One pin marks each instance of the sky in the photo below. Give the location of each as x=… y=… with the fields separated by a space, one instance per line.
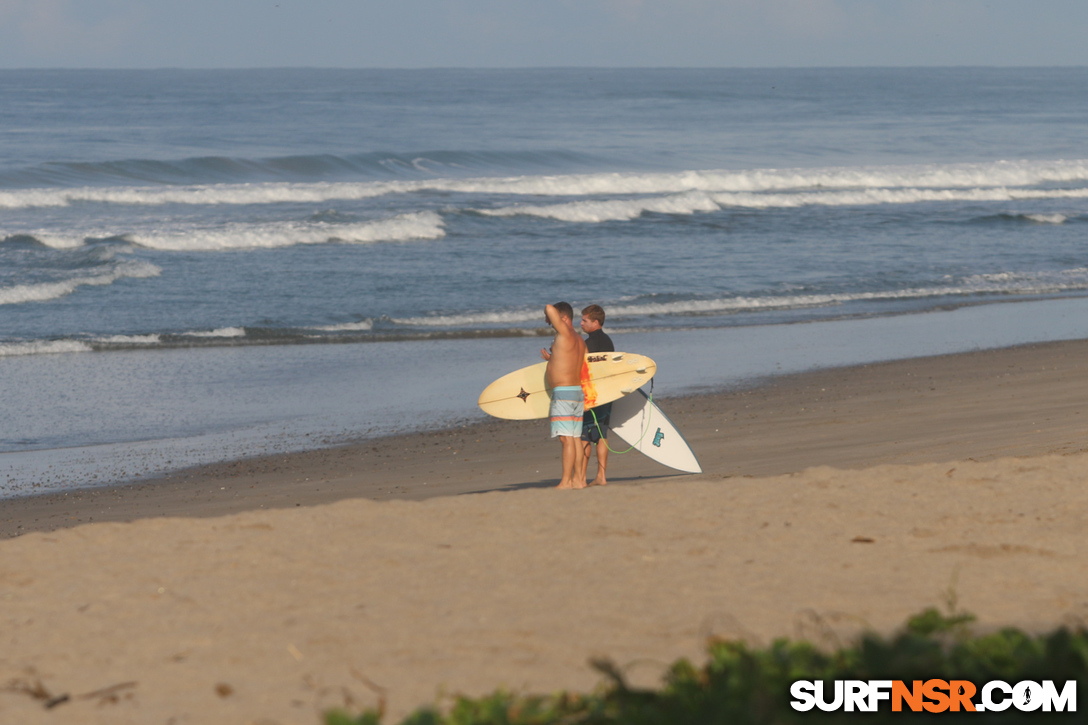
x=540 y=33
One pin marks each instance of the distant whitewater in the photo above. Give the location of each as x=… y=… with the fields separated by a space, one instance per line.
x=387 y=205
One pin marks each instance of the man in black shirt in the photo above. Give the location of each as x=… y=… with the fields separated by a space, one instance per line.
x=595 y=421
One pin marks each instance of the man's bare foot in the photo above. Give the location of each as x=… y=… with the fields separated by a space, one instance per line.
x=571 y=484
x=597 y=482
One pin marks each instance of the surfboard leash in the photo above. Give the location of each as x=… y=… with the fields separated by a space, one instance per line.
x=645 y=430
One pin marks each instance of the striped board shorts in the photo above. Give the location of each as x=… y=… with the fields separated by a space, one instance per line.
x=567 y=407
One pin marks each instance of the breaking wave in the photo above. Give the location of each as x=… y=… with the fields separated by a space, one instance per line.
x=403 y=228
x=407 y=227
x=913 y=181
x=43 y=347
x=1047 y=218
x=627 y=313
x=622 y=210
x=222 y=332
x=600 y=211
x=1007 y=283
x=44 y=291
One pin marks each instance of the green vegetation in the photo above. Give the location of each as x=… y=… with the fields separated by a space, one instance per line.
x=740 y=685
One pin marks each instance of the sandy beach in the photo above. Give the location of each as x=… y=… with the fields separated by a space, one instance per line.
x=269 y=590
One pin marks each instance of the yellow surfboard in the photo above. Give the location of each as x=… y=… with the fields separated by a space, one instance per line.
x=608 y=376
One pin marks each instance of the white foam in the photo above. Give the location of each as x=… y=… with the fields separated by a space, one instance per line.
x=1061 y=280
x=1047 y=218
x=620 y=210
x=980 y=284
x=209 y=194
x=931 y=176
x=937 y=176
x=132 y=339
x=406 y=227
x=867 y=197
x=471 y=319
x=57 y=241
x=221 y=332
x=44 y=291
x=42 y=347
x=361 y=326
x=998 y=283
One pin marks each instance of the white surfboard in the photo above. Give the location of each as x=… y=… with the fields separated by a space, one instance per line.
x=638 y=422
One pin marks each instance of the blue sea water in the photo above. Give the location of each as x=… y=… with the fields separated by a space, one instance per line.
x=173 y=227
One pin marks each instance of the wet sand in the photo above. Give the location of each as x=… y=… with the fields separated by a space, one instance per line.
x=270 y=589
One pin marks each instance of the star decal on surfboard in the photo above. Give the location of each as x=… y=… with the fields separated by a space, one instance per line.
x=523 y=395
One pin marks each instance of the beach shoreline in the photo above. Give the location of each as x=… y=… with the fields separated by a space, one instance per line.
x=763 y=427
x=227 y=404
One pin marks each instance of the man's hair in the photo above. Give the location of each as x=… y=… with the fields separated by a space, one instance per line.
x=564 y=309
x=594 y=312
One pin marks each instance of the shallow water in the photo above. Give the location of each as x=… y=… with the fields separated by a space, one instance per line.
x=227 y=403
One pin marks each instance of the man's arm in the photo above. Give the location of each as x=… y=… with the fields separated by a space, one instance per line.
x=551 y=315
x=564 y=331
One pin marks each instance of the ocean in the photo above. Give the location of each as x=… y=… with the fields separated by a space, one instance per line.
x=203 y=265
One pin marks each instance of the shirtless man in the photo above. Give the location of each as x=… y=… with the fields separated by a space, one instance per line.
x=564 y=379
